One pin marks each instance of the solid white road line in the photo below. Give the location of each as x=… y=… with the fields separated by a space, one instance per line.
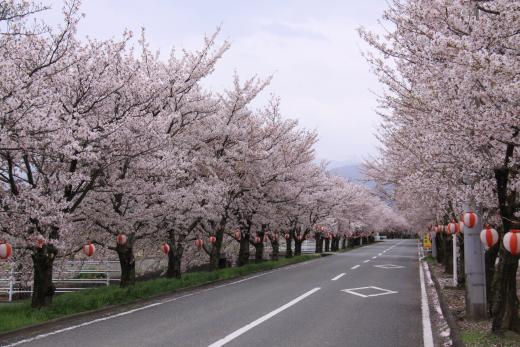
x=262 y=319
x=338 y=277
x=427 y=325
x=354 y=267
x=366 y=261
x=73 y=327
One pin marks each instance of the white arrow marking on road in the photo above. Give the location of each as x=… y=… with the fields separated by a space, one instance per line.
x=389 y=266
x=338 y=277
x=354 y=267
x=262 y=319
x=355 y=291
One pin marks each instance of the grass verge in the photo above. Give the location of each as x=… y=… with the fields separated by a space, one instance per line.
x=474 y=338
x=20 y=314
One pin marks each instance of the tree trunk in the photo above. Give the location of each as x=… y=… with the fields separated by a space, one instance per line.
x=490 y=261
x=175 y=261
x=461 y=279
x=298 y=247
x=448 y=254
x=43 y=288
x=214 y=254
x=344 y=243
x=505 y=300
x=440 y=247
x=317 y=243
x=288 y=248
x=127 y=263
x=243 y=254
x=275 y=245
x=327 y=245
x=259 y=251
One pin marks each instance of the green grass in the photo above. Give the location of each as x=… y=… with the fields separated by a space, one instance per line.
x=20 y=314
x=473 y=338
x=430 y=259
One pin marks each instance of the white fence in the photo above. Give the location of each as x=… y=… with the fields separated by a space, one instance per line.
x=69 y=280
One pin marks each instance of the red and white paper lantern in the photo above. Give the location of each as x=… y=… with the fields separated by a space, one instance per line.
x=287 y=236
x=5 y=250
x=266 y=237
x=165 y=248
x=461 y=226
x=199 y=243
x=89 y=249
x=40 y=241
x=121 y=239
x=489 y=237
x=453 y=227
x=212 y=239
x=238 y=235
x=257 y=239
x=470 y=219
x=512 y=241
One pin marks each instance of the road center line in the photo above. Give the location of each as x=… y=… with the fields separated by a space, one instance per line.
x=374 y=257
x=338 y=277
x=262 y=319
x=354 y=267
x=366 y=261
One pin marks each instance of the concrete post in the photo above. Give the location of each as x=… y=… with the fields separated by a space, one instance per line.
x=474 y=268
x=434 y=246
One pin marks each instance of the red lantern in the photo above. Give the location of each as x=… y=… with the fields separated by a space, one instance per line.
x=436 y=228
x=89 y=249
x=266 y=237
x=238 y=235
x=257 y=239
x=461 y=226
x=40 y=241
x=299 y=237
x=489 y=237
x=287 y=236
x=470 y=219
x=121 y=239
x=512 y=241
x=212 y=239
x=165 y=248
x=199 y=243
x=5 y=250
x=453 y=228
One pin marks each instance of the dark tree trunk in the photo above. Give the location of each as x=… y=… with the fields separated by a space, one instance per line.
x=461 y=277
x=317 y=245
x=259 y=251
x=127 y=263
x=275 y=245
x=505 y=300
x=43 y=288
x=175 y=261
x=298 y=247
x=448 y=254
x=327 y=245
x=490 y=258
x=439 y=244
x=344 y=243
x=288 y=248
x=214 y=253
x=243 y=254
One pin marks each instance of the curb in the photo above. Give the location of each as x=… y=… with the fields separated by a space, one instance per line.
x=454 y=328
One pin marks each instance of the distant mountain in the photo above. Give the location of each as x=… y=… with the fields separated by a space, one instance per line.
x=351 y=172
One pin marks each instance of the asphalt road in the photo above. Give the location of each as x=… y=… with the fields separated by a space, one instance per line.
x=300 y=305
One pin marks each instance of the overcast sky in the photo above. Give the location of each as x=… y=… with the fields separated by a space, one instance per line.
x=310 y=47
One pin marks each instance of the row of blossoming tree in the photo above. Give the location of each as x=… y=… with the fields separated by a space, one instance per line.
x=451 y=123
x=105 y=148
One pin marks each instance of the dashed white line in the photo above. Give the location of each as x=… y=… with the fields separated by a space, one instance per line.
x=380 y=254
x=338 y=276
x=374 y=257
x=366 y=261
x=262 y=319
x=354 y=267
